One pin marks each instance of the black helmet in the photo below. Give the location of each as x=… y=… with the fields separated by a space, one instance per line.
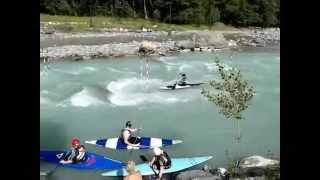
x=183 y=74
x=128 y=124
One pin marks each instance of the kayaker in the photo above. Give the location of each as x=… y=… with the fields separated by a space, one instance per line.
x=132 y=173
x=82 y=154
x=182 y=79
x=127 y=135
x=71 y=156
x=160 y=161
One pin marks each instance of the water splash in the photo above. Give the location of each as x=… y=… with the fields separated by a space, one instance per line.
x=133 y=91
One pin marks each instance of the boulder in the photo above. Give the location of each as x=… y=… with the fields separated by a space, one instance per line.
x=257 y=161
x=185 y=44
x=193 y=174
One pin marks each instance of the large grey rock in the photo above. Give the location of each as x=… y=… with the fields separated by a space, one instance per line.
x=214 y=177
x=185 y=44
x=193 y=174
x=250 y=178
x=257 y=161
x=254 y=166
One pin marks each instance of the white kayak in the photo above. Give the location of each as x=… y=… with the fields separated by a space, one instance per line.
x=173 y=87
x=143 y=142
x=177 y=164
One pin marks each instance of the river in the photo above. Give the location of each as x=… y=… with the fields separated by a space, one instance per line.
x=93 y=99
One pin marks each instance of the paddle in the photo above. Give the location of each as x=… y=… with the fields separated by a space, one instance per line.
x=145 y=159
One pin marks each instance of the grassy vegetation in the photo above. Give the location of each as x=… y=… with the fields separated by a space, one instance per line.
x=80 y=24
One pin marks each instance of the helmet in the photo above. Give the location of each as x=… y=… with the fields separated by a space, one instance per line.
x=75 y=141
x=157 y=151
x=183 y=74
x=128 y=124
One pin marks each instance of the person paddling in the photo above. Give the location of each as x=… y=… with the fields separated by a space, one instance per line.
x=127 y=135
x=70 y=157
x=160 y=161
x=181 y=80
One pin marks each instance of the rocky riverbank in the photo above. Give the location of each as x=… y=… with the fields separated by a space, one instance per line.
x=122 y=42
x=249 y=168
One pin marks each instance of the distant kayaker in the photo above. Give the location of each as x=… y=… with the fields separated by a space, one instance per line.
x=127 y=135
x=160 y=161
x=182 y=79
x=132 y=173
x=71 y=156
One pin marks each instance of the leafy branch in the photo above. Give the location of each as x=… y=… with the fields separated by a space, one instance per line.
x=232 y=93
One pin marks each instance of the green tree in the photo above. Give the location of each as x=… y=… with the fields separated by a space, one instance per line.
x=232 y=94
x=212 y=13
x=268 y=11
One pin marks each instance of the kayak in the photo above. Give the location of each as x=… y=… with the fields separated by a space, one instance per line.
x=145 y=143
x=172 y=87
x=177 y=164
x=93 y=161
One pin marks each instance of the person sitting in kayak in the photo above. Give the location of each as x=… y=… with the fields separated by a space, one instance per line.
x=182 y=79
x=82 y=156
x=160 y=161
x=71 y=156
x=127 y=135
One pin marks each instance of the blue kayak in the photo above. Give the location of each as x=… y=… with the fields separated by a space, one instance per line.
x=144 y=143
x=93 y=161
x=177 y=164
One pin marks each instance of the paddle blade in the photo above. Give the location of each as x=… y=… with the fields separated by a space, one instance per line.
x=143 y=158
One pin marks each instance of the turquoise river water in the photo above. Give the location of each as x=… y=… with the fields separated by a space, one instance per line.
x=93 y=98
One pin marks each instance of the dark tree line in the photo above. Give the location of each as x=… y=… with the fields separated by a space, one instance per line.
x=264 y=13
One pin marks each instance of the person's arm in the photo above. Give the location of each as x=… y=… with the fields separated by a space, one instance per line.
x=133 y=129
x=152 y=161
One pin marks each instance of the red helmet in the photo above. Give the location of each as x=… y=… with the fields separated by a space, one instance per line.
x=75 y=141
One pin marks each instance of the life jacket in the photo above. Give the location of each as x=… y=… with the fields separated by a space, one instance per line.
x=82 y=156
x=72 y=154
x=165 y=159
x=182 y=80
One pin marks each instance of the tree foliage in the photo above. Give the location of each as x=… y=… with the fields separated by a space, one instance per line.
x=232 y=93
x=263 y=13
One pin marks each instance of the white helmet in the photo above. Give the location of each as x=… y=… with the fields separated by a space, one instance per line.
x=157 y=151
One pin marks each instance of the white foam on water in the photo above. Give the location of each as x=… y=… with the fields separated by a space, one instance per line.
x=166 y=58
x=212 y=67
x=44 y=100
x=185 y=67
x=89 y=68
x=43 y=73
x=70 y=72
x=84 y=99
x=120 y=71
x=133 y=91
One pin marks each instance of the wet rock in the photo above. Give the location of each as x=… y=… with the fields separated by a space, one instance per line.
x=185 y=44
x=255 y=166
x=197 y=49
x=194 y=174
x=257 y=161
